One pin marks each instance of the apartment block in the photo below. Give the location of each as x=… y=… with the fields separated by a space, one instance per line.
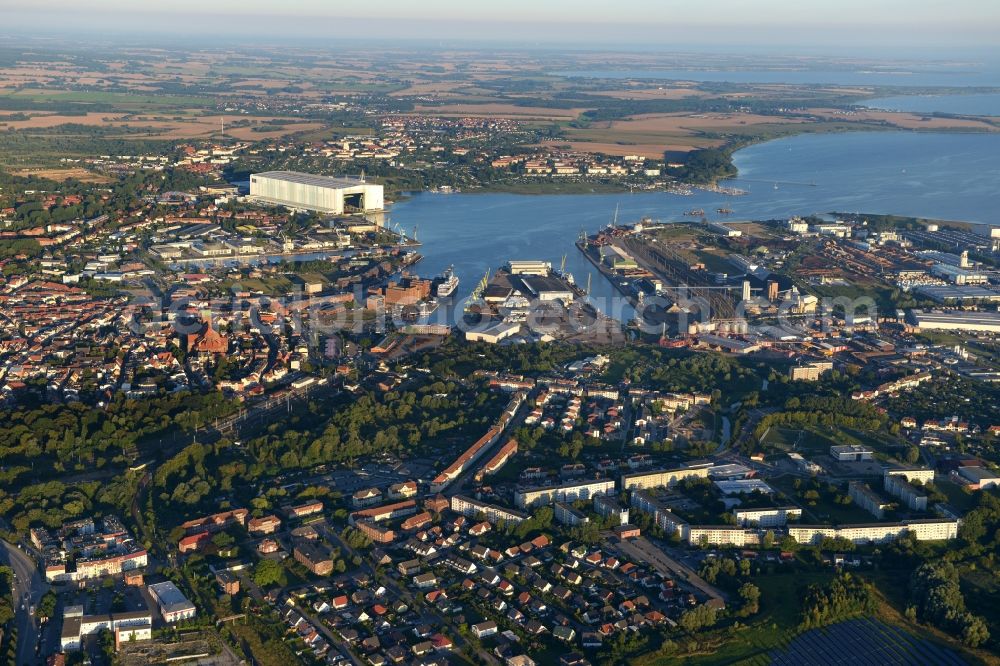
x=568 y=492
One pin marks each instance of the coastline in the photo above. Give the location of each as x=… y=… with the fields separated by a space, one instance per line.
x=552 y=186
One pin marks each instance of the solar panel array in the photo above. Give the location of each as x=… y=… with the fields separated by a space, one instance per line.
x=862 y=642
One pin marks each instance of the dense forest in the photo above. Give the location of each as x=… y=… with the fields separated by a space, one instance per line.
x=938 y=600
x=55 y=439
x=428 y=418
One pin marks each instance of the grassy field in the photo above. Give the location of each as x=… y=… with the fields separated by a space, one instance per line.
x=824 y=509
x=77 y=173
x=777 y=624
x=121 y=101
x=772 y=628
x=674 y=232
x=679 y=133
x=958 y=497
x=714 y=260
x=849 y=514
x=893 y=591
x=784 y=439
x=813 y=442
x=806 y=441
x=880 y=293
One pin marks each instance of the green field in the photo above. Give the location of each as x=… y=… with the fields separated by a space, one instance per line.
x=784 y=439
x=961 y=499
x=123 y=102
x=774 y=627
x=813 y=442
x=828 y=510
x=807 y=441
x=824 y=509
x=714 y=262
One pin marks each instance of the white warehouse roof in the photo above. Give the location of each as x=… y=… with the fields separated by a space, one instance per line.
x=312 y=179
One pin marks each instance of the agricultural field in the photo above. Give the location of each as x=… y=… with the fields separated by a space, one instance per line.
x=164 y=95
x=74 y=173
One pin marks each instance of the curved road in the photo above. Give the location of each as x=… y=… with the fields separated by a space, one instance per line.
x=28 y=590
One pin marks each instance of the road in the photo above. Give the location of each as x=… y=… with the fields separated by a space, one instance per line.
x=642 y=550
x=746 y=432
x=28 y=590
x=404 y=593
x=237 y=426
x=458 y=486
x=334 y=641
x=727 y=433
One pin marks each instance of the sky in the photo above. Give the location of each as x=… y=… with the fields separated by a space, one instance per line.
x=810 y=24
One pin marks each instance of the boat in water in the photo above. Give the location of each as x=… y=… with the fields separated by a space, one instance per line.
x=697 y=212
x=446 y=283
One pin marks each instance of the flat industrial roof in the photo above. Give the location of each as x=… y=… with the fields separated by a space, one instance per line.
x=312 y=179
x=169 y=597
x=986 y=317
x=960 y=292
x=538 y=284
x=727 y=470
x=977 y=473
x=743 y=486
x=850 y=448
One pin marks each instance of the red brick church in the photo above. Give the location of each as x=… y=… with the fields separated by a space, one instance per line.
x=207 y=341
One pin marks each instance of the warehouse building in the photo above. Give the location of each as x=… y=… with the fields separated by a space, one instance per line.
x=323 y=194
x=174 y=606
x=984 y=322
x=851 y=453
x=977 y=478
x=959 y=276
x=547 y=288
x=528 y=267
x=954 y=294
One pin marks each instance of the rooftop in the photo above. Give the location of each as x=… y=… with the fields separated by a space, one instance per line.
x=312 y=179
x=989 y=317
x=170 y=598
x=538 y=284
x=850 y=448
x=743 y=486
x=978 y=474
